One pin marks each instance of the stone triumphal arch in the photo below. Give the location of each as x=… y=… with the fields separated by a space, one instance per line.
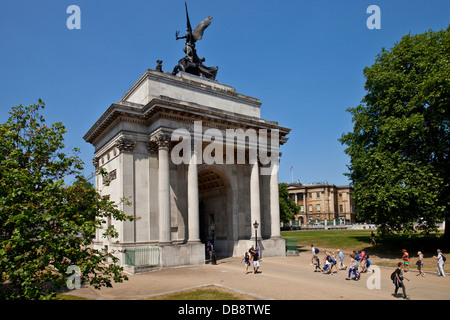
x=189 y=153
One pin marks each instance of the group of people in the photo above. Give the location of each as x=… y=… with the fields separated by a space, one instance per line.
x=252 y=256
x=419 y=263
x=359 y=262
x=398 y=277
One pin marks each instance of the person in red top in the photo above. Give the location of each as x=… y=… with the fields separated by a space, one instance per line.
x=405 y=260
x=363 y=261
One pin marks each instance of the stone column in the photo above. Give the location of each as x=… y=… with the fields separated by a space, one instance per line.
x=274 y=203
x=126 y=145
x=161 y=141
x=255 y=200
x=193 y=209
x=305 y=206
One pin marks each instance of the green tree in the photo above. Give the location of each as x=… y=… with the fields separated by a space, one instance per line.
x=47 y=226
x=288 y=208
x=400 y=142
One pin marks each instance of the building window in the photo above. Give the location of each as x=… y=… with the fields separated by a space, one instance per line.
x=341 y=208
x=340 y=195
x=310 y=195
x=310 y=208
x=301 y=208
x=318 y=207
x=318 y=195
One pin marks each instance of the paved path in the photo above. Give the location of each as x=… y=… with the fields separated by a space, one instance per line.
x=289 y=278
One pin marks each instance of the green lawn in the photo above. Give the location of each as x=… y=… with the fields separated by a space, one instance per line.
x=206 y=293
x=348 y=240
x=330 y=239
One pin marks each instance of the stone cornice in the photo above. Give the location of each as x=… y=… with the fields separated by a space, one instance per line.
x=180 y=111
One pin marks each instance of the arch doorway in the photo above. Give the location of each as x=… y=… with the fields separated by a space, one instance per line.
x=215 y=207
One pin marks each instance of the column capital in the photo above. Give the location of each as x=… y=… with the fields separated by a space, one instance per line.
x=125 y=144
x=96 y=163
x=158 y=141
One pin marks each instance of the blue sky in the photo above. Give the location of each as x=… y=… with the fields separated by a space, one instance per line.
x=302 y=59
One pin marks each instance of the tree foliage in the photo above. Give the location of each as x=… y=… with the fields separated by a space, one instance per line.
x=47 y=226
x=400 y=142
x=288 y=208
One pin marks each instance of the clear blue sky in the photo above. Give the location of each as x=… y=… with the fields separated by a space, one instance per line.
x=302 y=59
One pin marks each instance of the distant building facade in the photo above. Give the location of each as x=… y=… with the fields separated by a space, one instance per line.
x=322 y=203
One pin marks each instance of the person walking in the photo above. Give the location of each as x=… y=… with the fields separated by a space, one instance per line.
x=440 y=266
x=313 y=251
x=419 y=264
x=405 y=259
x=246 y=260
x=341 y=257
x=353 y=267
x=212 y=253
x=372 y=237
x=333 y=263
x=399 y=280
x=363 y=261
x=317 y=263
x=255 y=259
x=327 y=264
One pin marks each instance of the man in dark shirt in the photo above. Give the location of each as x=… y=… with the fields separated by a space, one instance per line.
x=255 y=258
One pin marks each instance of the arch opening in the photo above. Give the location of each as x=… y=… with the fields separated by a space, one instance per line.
x=215 y=208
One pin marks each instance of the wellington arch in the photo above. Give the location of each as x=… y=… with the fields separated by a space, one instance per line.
x=175 y=204
x=196 y=163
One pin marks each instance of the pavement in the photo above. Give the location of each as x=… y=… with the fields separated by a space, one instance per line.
x=287 y=278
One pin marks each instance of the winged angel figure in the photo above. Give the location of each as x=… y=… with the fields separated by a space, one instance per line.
x=191 y=63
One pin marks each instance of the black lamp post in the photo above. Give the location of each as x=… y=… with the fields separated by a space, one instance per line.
x=256 y=225
x=213 y=254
